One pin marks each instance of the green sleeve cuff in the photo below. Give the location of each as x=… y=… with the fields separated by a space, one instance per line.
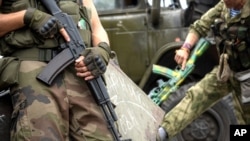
x=28 y=15
x=195 y=32
x=105 y=46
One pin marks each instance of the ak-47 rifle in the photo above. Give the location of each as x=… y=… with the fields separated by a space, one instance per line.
x=177 y=76
x=71 y=51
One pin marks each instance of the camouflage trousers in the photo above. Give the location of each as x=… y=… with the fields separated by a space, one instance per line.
x=65 y=111
x=201 y=97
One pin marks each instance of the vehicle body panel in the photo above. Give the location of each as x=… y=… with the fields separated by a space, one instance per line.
x=136 y=40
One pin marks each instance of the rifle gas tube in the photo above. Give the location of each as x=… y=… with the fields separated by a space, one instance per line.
x=67 y=56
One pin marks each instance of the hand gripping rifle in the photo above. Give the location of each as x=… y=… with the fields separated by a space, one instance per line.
x=68 y=55
x=177 y=76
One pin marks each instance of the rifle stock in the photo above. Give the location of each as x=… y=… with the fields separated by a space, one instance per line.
x=177 y=76
x=70 y=53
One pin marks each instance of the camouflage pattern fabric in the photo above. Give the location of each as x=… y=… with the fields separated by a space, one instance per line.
x=208 y=91
x=65 y=111
x=201 y=97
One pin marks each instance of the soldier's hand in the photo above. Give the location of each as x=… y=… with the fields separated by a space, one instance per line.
x=93 y=62
x=82 y=69
x=44 y=24
x=181 y=56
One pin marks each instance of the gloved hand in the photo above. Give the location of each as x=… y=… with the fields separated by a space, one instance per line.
x=44 y=24
x=161 y=135
x=97 y=58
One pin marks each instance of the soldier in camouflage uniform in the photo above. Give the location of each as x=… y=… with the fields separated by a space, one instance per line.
x=213 y=87
x=66 y=110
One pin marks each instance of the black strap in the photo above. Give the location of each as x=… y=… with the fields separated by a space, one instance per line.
x=35 y=54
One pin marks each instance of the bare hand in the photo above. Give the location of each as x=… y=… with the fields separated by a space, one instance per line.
x=64 y=34
x=181 y=57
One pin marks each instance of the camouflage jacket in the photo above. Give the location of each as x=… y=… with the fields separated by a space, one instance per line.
x=202 y=26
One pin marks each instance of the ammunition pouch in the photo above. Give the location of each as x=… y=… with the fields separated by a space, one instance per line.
x=237 y=32
x=244 y=79
x=243 y=54
x=239 y=56
x=9 y=69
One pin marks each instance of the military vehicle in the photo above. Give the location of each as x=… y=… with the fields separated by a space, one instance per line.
x=147 y=32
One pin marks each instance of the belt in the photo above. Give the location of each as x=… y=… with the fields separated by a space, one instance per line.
x=35 y=54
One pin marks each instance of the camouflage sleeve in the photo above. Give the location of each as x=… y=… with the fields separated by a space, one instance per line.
x=202 y=25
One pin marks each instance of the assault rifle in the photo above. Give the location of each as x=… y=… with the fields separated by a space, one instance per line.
x=177 y=76
x=71 y=51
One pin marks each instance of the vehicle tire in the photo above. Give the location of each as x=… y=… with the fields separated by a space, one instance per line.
x=212 y=125
x=5 y=115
